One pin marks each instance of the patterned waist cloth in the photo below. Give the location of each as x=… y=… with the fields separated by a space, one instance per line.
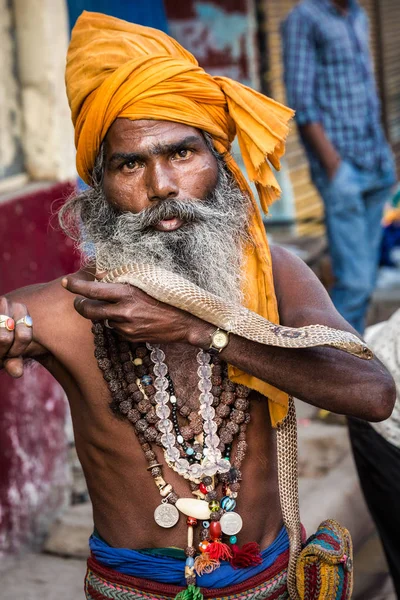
x=102 y=583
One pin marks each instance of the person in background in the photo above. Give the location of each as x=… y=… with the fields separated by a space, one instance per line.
x=330 y=83
x=376 y=450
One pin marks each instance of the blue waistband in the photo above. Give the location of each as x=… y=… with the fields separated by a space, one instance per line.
x=165 y=569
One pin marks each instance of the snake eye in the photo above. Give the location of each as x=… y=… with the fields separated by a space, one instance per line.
x=367 y=352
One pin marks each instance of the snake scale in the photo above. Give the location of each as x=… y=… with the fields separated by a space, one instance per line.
x=177 y=291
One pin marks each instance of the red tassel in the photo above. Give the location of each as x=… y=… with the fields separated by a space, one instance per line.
x=219 y=551
x=246 y=556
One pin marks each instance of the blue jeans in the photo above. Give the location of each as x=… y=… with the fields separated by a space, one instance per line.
x=354 y=201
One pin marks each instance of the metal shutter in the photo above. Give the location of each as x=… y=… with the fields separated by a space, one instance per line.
x=308 y=206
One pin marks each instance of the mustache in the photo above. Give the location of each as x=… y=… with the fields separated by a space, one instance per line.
x=189 y=210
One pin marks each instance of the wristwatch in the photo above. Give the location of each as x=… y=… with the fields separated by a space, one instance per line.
x=219 y=341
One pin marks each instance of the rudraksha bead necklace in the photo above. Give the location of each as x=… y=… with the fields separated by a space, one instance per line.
x=200 y=451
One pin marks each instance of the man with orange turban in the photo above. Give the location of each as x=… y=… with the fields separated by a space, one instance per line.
x=153 y=137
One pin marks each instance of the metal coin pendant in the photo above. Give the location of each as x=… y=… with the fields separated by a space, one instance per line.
x=231 y=523
x=166 y=515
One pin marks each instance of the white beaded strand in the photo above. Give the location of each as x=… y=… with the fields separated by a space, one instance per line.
x=213 y=462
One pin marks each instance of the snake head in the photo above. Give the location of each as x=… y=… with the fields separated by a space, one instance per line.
x=355 y=346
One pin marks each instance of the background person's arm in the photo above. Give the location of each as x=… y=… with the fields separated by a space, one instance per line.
x=314 y=134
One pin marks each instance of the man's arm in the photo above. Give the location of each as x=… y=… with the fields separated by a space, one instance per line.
x=325 y=377
x=299 y=58
x=326 y=152
x=42 y=303
x=18 y=343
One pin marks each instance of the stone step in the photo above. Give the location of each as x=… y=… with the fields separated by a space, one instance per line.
x=338 y=496
x=69 y=534
x=321 y=447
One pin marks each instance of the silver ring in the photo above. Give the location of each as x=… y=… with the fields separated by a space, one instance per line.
x=106 y=323
x=27 y=320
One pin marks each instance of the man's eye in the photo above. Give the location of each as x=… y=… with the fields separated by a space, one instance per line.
x=130 y=165
x=183 y=153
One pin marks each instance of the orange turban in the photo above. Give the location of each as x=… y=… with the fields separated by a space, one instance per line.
x=119 y=69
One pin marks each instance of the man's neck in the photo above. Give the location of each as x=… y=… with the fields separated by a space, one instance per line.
x=342 y=5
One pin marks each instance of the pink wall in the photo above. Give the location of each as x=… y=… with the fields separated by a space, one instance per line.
x=33 y=476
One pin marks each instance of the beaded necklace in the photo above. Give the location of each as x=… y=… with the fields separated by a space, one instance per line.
x=200 y=451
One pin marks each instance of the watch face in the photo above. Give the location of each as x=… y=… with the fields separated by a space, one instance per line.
x=220 y=339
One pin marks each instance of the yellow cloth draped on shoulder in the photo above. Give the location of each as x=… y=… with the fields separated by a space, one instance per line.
x=119 y=69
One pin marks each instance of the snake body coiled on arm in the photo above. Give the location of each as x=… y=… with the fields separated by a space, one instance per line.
x=179 y=292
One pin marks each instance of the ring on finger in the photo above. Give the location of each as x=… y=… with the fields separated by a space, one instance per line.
x=107 y=324
x=27 y=320
x=8 y=324
x=4 y=318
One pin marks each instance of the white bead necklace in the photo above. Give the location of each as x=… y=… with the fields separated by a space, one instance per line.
x=212 y=462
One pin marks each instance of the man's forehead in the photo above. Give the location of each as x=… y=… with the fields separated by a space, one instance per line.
x=142 y=133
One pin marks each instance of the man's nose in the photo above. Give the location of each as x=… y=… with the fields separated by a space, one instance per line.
x=161 y=183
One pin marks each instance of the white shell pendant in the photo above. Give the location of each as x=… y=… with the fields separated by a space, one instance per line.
x=194 y=508
x=166 y=515
x=231 y=523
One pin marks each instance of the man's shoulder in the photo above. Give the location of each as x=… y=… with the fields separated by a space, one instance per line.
x=281 y=255
x=47 y=297
x=304 y=11
x=286 y=264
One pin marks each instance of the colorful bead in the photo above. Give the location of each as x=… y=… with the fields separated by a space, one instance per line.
x=137 y=362
x=188 y=572
x=216 y=515
x=203 y=546
x=189 y=451
x=213 y=505
x=206 y=524
x=228 y=503
x=233 y=539
x=215 y=530
x=146 y=379
x=203 y=488
x=211 y=495
x=191 y=521
x=189 y=561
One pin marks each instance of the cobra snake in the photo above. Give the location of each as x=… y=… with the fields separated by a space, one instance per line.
x=177 y=291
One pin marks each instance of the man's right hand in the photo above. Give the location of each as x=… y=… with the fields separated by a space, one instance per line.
x=13 y=344
x=332 y=164
x=323 y=148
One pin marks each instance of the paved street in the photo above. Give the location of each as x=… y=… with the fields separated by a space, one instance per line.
x=43 y=577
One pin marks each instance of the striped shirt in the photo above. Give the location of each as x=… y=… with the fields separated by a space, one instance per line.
x=329 y=79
